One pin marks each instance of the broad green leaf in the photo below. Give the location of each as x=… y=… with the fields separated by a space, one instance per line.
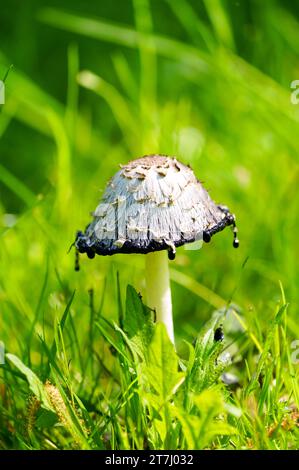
x=161 y=428
x=210 y=405
x=138 y=322
x=160 y=371
x=207 y=401
x=160 y=379
x=35 y=385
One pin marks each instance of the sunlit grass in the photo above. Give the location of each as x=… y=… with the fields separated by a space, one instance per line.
x=225 y=111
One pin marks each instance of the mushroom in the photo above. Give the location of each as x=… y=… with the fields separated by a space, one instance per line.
x=151 y=206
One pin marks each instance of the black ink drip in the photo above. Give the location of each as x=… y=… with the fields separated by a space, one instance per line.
x=77 y=265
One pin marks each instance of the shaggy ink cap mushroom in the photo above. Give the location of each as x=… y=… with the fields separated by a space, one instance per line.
x=151 y=206
x=153 y=203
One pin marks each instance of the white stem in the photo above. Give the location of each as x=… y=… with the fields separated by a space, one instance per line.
x=158 y=288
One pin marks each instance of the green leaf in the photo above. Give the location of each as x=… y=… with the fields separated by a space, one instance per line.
x=209 y=402
x=254 y=383
x=190 y=426
x=202 y=370
x=35 y=385
x=204 y=425
x=46 y=419
x=62 y=322
x=138 y=323
x=160 y=379
x=111 y=340
x=160 y=371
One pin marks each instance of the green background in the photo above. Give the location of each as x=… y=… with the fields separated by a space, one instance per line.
x=206 y=81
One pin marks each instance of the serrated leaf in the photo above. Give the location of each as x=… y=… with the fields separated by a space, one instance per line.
x=35 y=384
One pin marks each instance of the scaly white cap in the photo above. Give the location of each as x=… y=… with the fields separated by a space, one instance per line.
x=153 y=203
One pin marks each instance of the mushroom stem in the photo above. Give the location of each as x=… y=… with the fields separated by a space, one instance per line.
x=158 y=290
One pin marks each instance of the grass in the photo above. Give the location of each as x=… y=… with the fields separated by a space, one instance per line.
x=86 y=366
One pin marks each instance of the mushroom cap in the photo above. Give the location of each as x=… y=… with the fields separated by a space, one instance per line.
x=153 y=203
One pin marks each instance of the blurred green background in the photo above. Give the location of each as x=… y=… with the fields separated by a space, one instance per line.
x=95 y=84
